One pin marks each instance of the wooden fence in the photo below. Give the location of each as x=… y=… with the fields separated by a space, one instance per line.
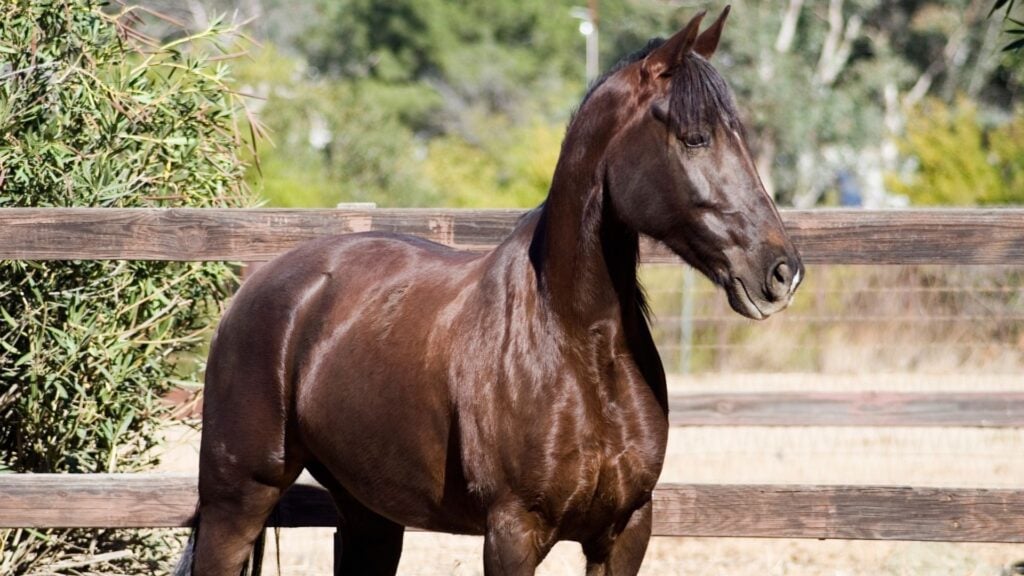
x=823 y=236
x=759 y=511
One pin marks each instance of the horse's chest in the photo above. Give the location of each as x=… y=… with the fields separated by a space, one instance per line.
x=602 y=486
x=581 y=445
x=612 y=462
x=611 y=475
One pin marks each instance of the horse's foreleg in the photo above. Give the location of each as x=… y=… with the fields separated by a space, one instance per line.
x=621 y=554
x=515 y=541
x=371 y=545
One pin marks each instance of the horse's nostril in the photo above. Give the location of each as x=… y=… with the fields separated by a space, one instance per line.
x=782 y=274
x=779 y=280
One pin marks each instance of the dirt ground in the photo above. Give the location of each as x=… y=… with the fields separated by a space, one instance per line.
x=964 y=457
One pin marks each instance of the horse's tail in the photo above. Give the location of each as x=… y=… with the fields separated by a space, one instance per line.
x=253 y=566
x=184 y=567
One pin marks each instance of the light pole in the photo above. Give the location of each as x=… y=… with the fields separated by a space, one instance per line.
x=588 y=27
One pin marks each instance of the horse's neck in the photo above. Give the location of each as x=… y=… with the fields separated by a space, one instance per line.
x=585 y=257
x=603 y=285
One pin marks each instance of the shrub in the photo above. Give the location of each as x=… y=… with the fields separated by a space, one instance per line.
x=959 y=160
x=93 y=113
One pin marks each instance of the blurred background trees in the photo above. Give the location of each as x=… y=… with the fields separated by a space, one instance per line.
x=460 y=103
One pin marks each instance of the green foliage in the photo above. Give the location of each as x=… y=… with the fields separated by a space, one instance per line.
x=487 y=52
x=331 y=141
x=1016 y=32
x=93 y=114
x=511 y=170
x=824 y=98
x=959 y=162
x=342 y=141
x=404 y=87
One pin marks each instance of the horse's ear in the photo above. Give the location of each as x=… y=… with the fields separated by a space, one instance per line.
x=707 y=42
x=664 y=58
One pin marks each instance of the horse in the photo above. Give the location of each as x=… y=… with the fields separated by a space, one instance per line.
x=515 y=394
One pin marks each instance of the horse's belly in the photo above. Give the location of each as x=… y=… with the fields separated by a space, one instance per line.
x=385 y=438
x=407 y=493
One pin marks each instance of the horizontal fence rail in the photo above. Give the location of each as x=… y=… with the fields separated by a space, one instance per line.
x=841 y=409
x=849 y=409
x=705 y=510
x=202 y=234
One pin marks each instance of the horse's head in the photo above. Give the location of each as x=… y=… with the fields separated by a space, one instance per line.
x=680 y=172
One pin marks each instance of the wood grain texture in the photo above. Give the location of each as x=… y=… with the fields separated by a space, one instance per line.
x=222 y=234
x=96 y=500
x=974 y=410
x=975 y=236
x=920 y=236
x=840 y=512
x=132 y=501
x=769 y=511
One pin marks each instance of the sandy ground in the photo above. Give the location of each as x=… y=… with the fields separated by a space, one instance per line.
x=907 y=456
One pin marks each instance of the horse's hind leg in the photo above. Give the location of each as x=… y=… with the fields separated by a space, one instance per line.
x=237 y=493
x=230 y=519
x=246 y=462
x=371 y=545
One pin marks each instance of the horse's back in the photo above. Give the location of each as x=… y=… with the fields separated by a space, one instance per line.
x=329 y=275
x=297 y=312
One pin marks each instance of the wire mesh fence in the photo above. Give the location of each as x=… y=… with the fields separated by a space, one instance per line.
x=848 y=319
x=916 y=329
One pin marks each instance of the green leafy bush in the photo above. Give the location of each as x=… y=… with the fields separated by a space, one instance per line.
x=510 y=170
x=959 y=160
x=92 y=113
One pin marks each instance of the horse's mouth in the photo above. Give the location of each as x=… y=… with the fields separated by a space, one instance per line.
x=752 y=306
x=741 y=301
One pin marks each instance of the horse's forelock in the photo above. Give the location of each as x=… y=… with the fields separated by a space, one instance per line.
x=700 y=98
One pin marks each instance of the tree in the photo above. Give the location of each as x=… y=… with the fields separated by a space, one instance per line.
x=94 y=114
x=446 y=56
x=829 y=85
x=826 y=87
x=958 y=161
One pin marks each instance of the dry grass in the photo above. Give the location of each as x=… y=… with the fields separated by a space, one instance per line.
x=911 y=456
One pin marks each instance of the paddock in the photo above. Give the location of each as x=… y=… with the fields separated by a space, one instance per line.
x=801 y=511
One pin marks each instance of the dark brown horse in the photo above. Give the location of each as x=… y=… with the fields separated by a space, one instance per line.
x=516 y=394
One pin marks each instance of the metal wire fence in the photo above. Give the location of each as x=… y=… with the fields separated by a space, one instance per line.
x=848 y=319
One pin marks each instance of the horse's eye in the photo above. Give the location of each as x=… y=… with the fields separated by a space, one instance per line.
x=696 y=140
